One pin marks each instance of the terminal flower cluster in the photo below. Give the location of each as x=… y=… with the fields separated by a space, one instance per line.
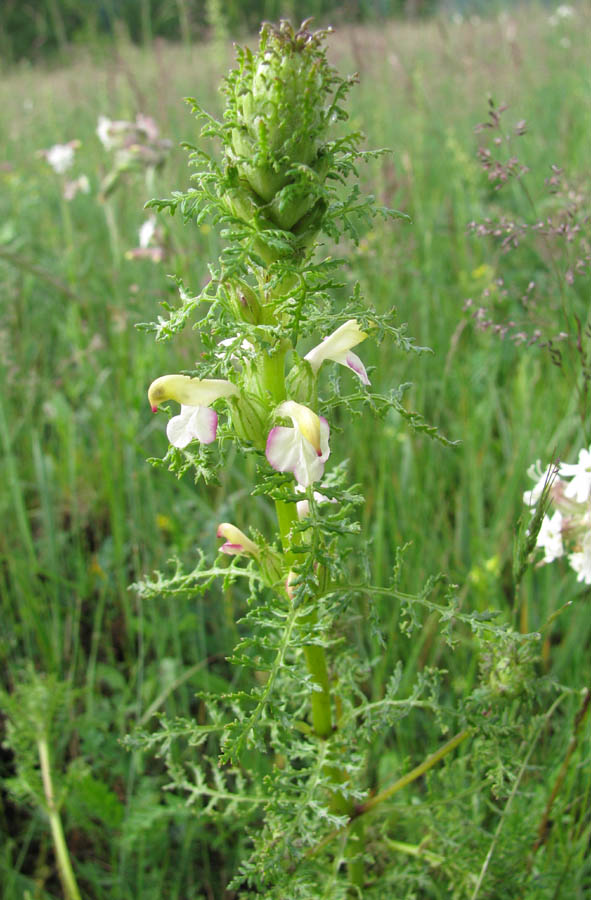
x=567 y=530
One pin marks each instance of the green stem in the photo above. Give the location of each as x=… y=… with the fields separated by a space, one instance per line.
x=274 y=374
x=320 y=699
x=287 y=514
x=67 y=877
x=411 y=776
x=273 y=368
x=415 y=773
x=315 y=656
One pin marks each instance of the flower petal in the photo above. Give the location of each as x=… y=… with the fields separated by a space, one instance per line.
x=282 y=450
x=178 y=430
x=354 y=363
x=193 y=423
x=304 y=419
x=290 y=450
x=309 y=467
x=336 y=344
x=324 y=436
x=205 y=424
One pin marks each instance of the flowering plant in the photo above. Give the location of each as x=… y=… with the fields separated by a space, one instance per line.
x=270 y=326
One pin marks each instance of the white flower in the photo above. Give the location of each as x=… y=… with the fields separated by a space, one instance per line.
x=581 y=560
x=302 y=449
x=579 y=488
x=112 y=133
x=337 y=347
x=61 y=156
x=196 y=421
x=147 y=231
x=236 y=541
x=103 y=130
x=550 y=537
x=530 y=498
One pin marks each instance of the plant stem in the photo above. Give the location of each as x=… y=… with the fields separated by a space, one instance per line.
x=274 y=374
x=415 y=773
x=66 y=873
x=320 y=700
x=273 y=371
x=315 y=656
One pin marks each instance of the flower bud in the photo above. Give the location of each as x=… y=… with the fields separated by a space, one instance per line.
x=308 y=227
x=271 y=565
x=243 y=201
x=244 y=300
x=249 y=418
x=235 y=541
x=300 y=383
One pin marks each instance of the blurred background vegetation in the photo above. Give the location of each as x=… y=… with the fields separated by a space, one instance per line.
x=83 y=659
x=37 y=29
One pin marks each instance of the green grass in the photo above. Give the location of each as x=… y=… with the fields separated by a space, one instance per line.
x=84 y=515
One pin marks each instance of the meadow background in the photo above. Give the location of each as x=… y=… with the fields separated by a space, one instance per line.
x=88 y=660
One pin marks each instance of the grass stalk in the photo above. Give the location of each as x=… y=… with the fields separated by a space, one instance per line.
x=66 y=872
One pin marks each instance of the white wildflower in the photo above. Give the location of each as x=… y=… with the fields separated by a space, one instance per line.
x=550 y=537
x=580 y=560
x=579 y=488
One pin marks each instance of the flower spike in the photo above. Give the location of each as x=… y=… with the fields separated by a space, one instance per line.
x=337 y=347
x=302 y=449
x=196 y=421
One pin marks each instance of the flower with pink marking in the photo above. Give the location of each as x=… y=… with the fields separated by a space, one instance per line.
x=302 y=449
x=236 y=542
x=196 y=420
x=337 y=347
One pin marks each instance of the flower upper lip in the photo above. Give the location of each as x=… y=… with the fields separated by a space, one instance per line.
x=196 y=420
x=337 y=347
x=305 y=420
x=302 y=449
x=189 y=391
